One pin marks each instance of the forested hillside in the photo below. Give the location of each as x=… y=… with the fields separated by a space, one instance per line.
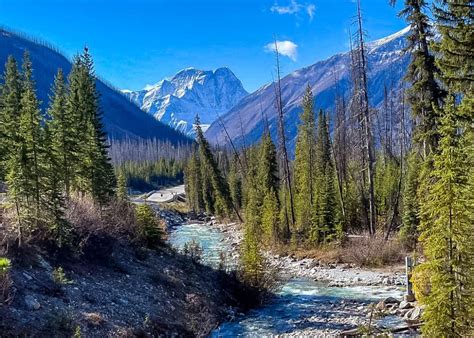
x=400 y=172
x=122 y=119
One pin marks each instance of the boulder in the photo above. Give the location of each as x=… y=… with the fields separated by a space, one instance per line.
x=31 y=303
x=414 y=314
x=405 y=305
x=391 y=300
x=409 y=298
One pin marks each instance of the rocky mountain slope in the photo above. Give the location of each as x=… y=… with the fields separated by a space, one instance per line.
x=387 y=64
x=177 y=100
x=121 y=118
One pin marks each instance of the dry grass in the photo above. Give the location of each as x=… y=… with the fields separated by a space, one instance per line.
x=373 y=252
x=362 y=251
x=94 y=318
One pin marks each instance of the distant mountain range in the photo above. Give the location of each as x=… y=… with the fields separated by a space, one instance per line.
x=177 y=100
x=122 y=119
x=387 y=64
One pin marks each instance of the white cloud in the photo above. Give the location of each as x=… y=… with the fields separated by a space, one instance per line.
x=286 y=48
x=295 y=8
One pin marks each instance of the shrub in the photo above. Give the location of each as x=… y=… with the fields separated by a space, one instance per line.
x=5 y=280
x=59 y=276
x=372 y=251
x=193 y=250
x=150 y=229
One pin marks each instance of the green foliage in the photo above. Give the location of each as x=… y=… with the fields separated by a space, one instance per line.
x=424 y=94
x=324 y=226
x=151 y=175
x=44 y=158
x=216 y=194
x=149 y=227
x=193 y=250
x=447 y=231
x=5 y=280
x=305 y=167
x=411 y=207
x=5 y=265
x=122 y=194
x=59 y=277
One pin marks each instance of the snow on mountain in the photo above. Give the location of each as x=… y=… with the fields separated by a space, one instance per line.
x=387 y=64
x=177 y=100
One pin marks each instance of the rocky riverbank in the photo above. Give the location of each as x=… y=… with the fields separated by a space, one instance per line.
x=333 y=317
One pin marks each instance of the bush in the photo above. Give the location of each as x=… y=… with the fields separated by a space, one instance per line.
x=193 y=250
x=5 y=280
x=372 y=251
x=59 y=276
x=150 y=229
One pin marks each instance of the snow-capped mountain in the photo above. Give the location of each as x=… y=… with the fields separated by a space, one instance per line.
x=387 y=64
x=177 y=100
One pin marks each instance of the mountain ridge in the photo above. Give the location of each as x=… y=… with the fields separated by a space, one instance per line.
x=176 y=100
x=387 y=63
x=121 y=118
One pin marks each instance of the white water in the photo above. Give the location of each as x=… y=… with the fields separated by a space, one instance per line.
x=300 y=303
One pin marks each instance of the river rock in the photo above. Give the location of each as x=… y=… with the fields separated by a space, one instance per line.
x=409 y=298
x=413 y=314
x=391 y=300
x=405 y=305
x=31 y=303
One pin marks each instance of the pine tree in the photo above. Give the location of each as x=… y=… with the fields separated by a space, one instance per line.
x=216 y=191
x=305 y=165
x=193 y=184
x=52 y=191
x=424 y=94
x=30 y=133
x=235 y=182
x=9 y=114
x=122 y=194
x=324 y=226
x=456 y=46
x=149 y=227
x=267 y=187
x=95 y=172
x=447 y=232
x=411 y=206
x=64 y=130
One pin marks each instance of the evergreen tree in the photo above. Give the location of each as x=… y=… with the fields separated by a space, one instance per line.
x=95 y=172
x=447 y=232
x=122 y=194
x=454 y=20
x=52 y=194
x=9 y=113
x=194 y=184
x=235 y=183
x=267 y=186
x=424 y=94
x=149 y=227
x=305 y=165
x=324 y=226
x=411 y=206
x=30 y=133
x=64 y=129
x=216 y=191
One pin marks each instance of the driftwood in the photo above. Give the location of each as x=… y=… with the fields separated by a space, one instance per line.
x=355 y=332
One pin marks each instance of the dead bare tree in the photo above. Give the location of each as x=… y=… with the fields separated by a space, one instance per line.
x=282 y=136
x=362 y=101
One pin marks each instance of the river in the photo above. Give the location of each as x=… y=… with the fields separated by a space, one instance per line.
x=300 y=307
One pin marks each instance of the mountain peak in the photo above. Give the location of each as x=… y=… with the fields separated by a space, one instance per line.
x=176 y=100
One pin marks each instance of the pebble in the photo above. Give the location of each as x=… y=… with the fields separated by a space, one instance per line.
x=31 y=303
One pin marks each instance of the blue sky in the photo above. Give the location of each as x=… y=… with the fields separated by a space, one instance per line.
x=138 y=42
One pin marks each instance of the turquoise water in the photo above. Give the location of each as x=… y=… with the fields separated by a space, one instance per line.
x=209 y=239
x=296 y=304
